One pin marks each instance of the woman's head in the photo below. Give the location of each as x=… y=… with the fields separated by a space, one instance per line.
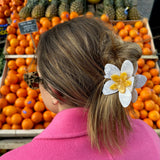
x=71 y=60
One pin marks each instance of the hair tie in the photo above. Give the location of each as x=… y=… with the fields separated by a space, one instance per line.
x=123 y=81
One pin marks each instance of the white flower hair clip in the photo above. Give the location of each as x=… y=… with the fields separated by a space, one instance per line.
x=123 y=81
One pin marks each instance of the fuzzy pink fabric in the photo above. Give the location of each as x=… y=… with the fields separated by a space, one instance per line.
x=66 y=139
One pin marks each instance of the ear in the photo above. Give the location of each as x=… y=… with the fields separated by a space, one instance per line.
x=55 y=101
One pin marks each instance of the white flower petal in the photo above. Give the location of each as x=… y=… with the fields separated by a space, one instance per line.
x=110 y=69
x=135 y=70
x=140 y=80
x=125 y=98
x=131 y=86
x=127 y=67
x=106 y=88
x=134 y=96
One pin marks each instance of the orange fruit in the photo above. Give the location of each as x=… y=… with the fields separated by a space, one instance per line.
x=9 y=110
x=22 y=69
x=104 y=17
x=146 y=94
x=11 y=71
x=24 y=43
x=4 y=90
x=138 y=105
x=42 y=30
x=138 y=24
x=23 y=84
x=120 y=25
x=15 y=23
x=128 y=27
x=154 y=72
x=156 y=88
x=12 y=64
x=154 y=115
x=14 y=15
x=123 y=33
x=149 y=105
x=146 y=38
x=127 y=39
x=140 y=44
x=16 y=118
x=19 y=102
x=141 y=62
x=39 y=106
x=12 y=78
x=27 y=124
x=11 y=36
x=146 y=51
x=64 y=15
x=134 y=114
x=147 y=75
x=11 y=97
x=147 y=45
x=32 y=93
x=32 y=68
x=138 y=90
x=149 y=83
x=2 y=118
x=143 y=114
x=21 y=36
x=8 y=120
x=21 y=92
x=20 y=50
x=39 y=126
x=158 y=123
x=156 y=80
x=11 y=50
x=46 y=23
x=156 y=108
x=155 y=97
x=29 y=102
x=29 y=61
x=46 y=124
x=11 y=30
x=148 y=121
x=37 y=117
x=151 y=63
x=40 y=97
x=74 y=15
x=3 y=102
x=138 y=39
x=26 y=112
x=47 y=116
x=16 y=126
x=14 y=42
x=29 y=50
x=133 y=33
x=31 y=43
x=145 y=68
x=143 y=30
x=56 y=19
x=6 y=126
x=20 y=62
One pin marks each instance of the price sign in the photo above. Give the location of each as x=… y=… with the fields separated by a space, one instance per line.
x=28 y=26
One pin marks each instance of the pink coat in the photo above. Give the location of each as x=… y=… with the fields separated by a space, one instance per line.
x=66 y=139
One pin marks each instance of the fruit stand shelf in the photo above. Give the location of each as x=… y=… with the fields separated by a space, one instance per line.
x=20 y=133
x=13 y=143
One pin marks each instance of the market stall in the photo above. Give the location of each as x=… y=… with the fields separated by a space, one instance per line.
x=23 y=114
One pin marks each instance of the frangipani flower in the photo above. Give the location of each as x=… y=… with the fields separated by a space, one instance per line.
x=123 y=81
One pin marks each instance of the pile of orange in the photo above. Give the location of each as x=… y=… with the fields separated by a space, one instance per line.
x=147 y=106
x=8 y=7
x=22 y=107
x=137 y=33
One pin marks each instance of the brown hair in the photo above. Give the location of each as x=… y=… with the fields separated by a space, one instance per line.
x=71 y=59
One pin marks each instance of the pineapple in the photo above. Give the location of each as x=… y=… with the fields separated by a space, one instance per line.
x=39 y=10
x=52 y=10
x=133 y=13
x=64 y=6
x=121 y=13
x=25 y=12
x=99 y=9
x=77 y=6
x=108 y=9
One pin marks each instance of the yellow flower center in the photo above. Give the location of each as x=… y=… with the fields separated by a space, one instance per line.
x=121 y=82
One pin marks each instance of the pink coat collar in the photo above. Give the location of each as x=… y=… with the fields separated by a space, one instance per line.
x=68 y=123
